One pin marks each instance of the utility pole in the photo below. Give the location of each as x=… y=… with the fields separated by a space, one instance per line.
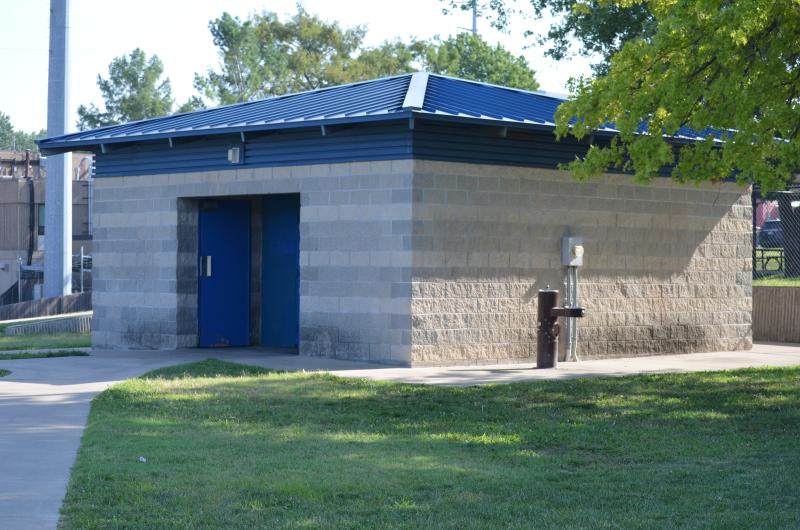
x=474 y=17
x=58 y=186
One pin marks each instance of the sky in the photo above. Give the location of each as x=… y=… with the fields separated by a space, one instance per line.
x=177 y=31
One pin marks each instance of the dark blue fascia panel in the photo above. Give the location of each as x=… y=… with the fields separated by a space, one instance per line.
x=429 y=139
x=479 y=144
x=392 y=141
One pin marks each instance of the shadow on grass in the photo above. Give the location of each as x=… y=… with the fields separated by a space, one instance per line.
x=42 y=355
x=208 y=368
x=237 y=447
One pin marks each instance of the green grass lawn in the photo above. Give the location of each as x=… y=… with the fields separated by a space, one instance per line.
x=767 y=264
x=229 y=446
x=777 y=282
x=45 y=341
x=42 y=355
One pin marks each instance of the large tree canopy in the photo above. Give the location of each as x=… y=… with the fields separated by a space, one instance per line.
x=263 y=56
x=12 y=139
x=587 y=27
x=470 y=57
x=133 y=91
x=730 y=64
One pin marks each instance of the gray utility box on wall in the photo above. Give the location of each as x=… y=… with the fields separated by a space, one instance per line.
x=572 y=251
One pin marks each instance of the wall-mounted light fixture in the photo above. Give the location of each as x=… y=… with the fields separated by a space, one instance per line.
x=236 y=155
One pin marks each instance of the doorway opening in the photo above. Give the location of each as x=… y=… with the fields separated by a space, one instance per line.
x=249 y=271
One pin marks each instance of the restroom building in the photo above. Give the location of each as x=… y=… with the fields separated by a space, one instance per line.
x=408 y=220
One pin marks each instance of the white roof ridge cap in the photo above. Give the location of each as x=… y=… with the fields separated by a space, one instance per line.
x=417 y=87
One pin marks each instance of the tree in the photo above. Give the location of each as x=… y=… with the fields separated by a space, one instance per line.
x=262 y=57
x=730 y=64
x=11 y=139
x=599 y=26
x=6 y=131
x=470 y=57
x=249 y=67
x=133 y=91
x=389 y=58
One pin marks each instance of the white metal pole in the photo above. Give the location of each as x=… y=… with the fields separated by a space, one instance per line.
x=474 y=17
x=568 y=321
x=58 y=186
x=81 y=268
x=574 y=324
x=19 y=280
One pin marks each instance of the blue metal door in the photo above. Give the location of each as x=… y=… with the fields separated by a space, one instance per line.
x=224 y=283
x=280 y=271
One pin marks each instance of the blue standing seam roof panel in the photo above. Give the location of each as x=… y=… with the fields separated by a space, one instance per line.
x=355 y=102
x=457 y=97
x=379 y=100
x=375 y=100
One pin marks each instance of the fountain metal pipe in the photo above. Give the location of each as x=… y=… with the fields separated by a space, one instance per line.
x=548 y=329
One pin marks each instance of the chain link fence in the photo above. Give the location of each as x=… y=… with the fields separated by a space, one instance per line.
x=30 y=280
x=776 y=237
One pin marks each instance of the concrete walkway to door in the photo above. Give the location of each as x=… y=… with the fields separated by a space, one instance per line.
x=44 y=403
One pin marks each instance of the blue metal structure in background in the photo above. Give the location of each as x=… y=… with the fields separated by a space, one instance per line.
x=224 y=283
x=280 y=271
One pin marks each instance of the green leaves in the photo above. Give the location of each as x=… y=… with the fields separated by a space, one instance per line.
x=133 y=91
x=470 y=57
x=729 y=65
x=11 y=139
x=262 y=57
x=601 y=27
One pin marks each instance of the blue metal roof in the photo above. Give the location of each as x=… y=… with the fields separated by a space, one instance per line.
x=457 y=97
x=389 y=98
x=421 y=95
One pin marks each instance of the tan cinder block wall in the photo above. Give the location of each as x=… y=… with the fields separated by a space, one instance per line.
x=667 y=266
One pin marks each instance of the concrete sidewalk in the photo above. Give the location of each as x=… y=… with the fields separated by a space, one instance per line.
x=761 y=355
x=44 y=403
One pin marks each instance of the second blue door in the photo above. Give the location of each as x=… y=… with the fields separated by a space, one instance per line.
x=280 y=278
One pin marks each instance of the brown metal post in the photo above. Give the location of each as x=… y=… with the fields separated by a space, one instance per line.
x=547 y=329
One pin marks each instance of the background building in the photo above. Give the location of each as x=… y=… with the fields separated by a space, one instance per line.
x=22 y=182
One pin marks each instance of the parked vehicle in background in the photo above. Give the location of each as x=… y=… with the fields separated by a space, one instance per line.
x=770 y=235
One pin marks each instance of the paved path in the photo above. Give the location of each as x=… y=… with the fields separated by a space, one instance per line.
x=44 y=403
x=42 y=350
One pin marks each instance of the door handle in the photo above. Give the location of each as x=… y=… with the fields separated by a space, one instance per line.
x=205 y=266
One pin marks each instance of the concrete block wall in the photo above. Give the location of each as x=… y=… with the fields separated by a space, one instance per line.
x=667 y=267
x=355 y=258
x=422 y=262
